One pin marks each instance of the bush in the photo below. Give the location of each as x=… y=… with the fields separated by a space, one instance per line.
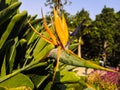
x=104 y=80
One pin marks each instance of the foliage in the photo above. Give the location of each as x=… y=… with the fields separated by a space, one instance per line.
x=18 y=80
x=100 y=37
x=29 y=61
x=57 y=4
x=103 y=80
x=61 y=53
x=16 y=47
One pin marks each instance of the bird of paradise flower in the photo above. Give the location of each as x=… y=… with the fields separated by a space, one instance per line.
x=61 y=33
x=60 y=39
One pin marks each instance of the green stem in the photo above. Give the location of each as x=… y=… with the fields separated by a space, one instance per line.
x=20 y=70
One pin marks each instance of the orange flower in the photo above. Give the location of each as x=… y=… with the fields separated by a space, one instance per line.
x=61 y=33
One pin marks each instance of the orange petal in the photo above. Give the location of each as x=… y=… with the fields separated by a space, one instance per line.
x=54 y=40
x=49 y=31
x=46 y=39
x=59 y=29
x=65 y=28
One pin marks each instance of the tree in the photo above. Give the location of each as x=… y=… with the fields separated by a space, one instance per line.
x=91 y=47
x=115 y=55
x=105 y=24
x=83 y=18
x=58 y=4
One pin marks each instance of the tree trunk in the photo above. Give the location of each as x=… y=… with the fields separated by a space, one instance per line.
x=58 y=7
x=79 y=50
x=104 y=54
x=80 y=43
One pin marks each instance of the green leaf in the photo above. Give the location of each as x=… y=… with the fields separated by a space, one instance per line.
x=69 y=58
x=20 y=88
x=32 y=36
x=38 y=79
x=67 y=80
x=5 y=64
x=3 y=68
x=9 y=11
x=68 y=77
x=39 y=57
x=10 y=1
x=12 y=54
x=44 y=52
x=17 y=81
x=48 y=86
x=10 y=27
x=89 y=89
x=3 y=88
x=73 y=46
x=40 y=45
x=38 y=65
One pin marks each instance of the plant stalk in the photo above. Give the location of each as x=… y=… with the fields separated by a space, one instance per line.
x=20 y=70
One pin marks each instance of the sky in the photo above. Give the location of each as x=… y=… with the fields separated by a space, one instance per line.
x=94 y=7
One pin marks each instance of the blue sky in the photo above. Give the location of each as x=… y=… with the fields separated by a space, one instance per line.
x=94 y=7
